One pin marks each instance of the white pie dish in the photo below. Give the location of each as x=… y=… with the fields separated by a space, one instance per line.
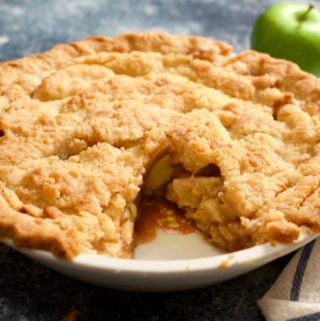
x=154 y=268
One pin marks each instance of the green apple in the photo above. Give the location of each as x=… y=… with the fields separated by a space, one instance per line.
x=290 y=31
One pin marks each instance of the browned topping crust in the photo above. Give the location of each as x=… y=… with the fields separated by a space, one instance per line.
x=85 y=124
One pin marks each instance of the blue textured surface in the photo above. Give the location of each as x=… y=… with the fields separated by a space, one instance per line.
x=31 y=26
x=31 y=292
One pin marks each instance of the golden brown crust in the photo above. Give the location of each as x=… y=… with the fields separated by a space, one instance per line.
x=35 y=233
x=83 y=122
x=19 y=79
x=62 y=54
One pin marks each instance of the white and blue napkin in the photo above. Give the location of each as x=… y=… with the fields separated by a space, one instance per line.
x=296 y=294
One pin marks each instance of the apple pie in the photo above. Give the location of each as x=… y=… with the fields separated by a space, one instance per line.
x=88 y=127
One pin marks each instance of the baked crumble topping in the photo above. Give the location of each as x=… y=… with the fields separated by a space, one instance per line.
x=233 y=140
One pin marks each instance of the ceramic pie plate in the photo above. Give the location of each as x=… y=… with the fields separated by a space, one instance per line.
x=170 y=262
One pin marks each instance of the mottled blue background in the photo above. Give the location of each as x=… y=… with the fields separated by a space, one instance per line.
x=31 y=292
x=31 y=26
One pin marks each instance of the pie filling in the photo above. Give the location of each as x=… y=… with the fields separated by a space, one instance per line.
x=89 y=128
x=172 y=182
x=199 y=197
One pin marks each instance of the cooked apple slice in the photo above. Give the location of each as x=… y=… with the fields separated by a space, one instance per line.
x=159 y=175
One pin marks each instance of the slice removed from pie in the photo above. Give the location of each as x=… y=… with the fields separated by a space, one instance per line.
x=87 y=127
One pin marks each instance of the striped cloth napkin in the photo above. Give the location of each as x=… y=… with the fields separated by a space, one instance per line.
x=296 y=294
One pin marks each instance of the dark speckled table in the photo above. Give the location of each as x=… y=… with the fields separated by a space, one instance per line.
x=31 y=292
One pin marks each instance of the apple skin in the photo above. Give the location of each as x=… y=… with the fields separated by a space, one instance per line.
x=288 y=31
